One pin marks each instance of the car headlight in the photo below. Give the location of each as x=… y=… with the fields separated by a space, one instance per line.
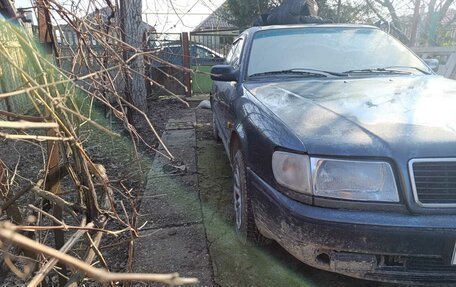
x=342 y=179
x=354 y=180
x=292 y=171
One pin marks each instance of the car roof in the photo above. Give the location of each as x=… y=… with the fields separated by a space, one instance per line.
x=275 y=27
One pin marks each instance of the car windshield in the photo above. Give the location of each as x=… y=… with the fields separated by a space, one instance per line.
x=333 y=49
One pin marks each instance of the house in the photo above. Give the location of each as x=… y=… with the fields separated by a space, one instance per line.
x=219 y=20
x=216 y=31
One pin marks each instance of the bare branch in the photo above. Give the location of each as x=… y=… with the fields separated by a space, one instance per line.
x=8 y=234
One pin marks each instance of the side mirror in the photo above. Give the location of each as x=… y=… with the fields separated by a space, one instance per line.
x=224 y=73
x=432 y=63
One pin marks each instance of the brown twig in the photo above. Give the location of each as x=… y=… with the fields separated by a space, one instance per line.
x=65 y=248
x=8 y=234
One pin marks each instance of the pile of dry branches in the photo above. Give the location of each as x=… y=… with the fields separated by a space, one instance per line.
x=49 y=101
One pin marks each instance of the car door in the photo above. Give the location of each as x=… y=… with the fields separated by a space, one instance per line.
x=225 y=93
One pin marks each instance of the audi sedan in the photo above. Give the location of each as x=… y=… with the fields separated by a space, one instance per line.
x=343 y=149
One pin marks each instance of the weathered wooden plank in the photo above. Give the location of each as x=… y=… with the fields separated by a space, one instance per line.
x=434 y=49
x=450 y=66
x=447 y=68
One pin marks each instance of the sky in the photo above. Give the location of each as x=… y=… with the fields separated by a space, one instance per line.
x=162 y=15
x=170 y=16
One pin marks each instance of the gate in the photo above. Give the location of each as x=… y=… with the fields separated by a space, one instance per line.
x=208 y=48
x=174 y=54
x=164 y=63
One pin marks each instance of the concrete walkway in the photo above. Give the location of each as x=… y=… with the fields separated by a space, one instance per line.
x=173 y=238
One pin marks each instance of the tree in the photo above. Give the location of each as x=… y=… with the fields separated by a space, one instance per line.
x=135 y=87
x=426 y=20
x=395 y=26
x=430 y=14
x=345 y=11
x=436 y=11
x=245 y=12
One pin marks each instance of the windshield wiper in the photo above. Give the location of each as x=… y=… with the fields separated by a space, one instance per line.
x=388 y=70
x=306 y=72
x=376 y=71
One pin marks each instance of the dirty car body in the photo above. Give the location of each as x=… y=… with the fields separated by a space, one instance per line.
x=349 y=143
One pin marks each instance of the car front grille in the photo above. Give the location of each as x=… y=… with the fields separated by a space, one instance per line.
x=434 y=181
x=422 y=264
x=414 y=269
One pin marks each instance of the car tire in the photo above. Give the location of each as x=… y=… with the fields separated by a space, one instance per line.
x=244 y=218
x=215 y=130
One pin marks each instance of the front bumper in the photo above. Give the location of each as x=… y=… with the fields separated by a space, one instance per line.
x=391 y=247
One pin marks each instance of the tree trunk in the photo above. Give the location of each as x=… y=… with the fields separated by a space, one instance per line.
x=429 y=24
x=135 y=88
x=339 y=6
x=416 y=20
x=392 y=10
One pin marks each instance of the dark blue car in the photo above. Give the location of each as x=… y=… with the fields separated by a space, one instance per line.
x=343 y=149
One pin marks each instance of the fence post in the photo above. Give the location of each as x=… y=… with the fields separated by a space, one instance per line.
x=47 y=40
x=186 y=64
x=45 y=29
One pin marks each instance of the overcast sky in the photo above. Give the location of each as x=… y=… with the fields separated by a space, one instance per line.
x=171 y=16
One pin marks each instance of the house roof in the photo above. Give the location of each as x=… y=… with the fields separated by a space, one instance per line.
x=218 y=20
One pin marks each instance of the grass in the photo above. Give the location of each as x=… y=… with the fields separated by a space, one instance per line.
x=201 y=81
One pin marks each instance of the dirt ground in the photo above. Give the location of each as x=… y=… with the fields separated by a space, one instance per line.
x=159 y=112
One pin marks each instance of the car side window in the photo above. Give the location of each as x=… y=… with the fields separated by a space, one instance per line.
x=235 y=53
x=235 y=59
x=231 y=52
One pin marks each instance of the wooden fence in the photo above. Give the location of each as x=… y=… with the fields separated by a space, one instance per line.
x=445 y=55
x=10 y=77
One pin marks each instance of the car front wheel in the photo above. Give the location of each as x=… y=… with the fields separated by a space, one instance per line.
x=245 y=221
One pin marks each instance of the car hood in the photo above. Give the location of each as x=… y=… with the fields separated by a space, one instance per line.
x=413 y=116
